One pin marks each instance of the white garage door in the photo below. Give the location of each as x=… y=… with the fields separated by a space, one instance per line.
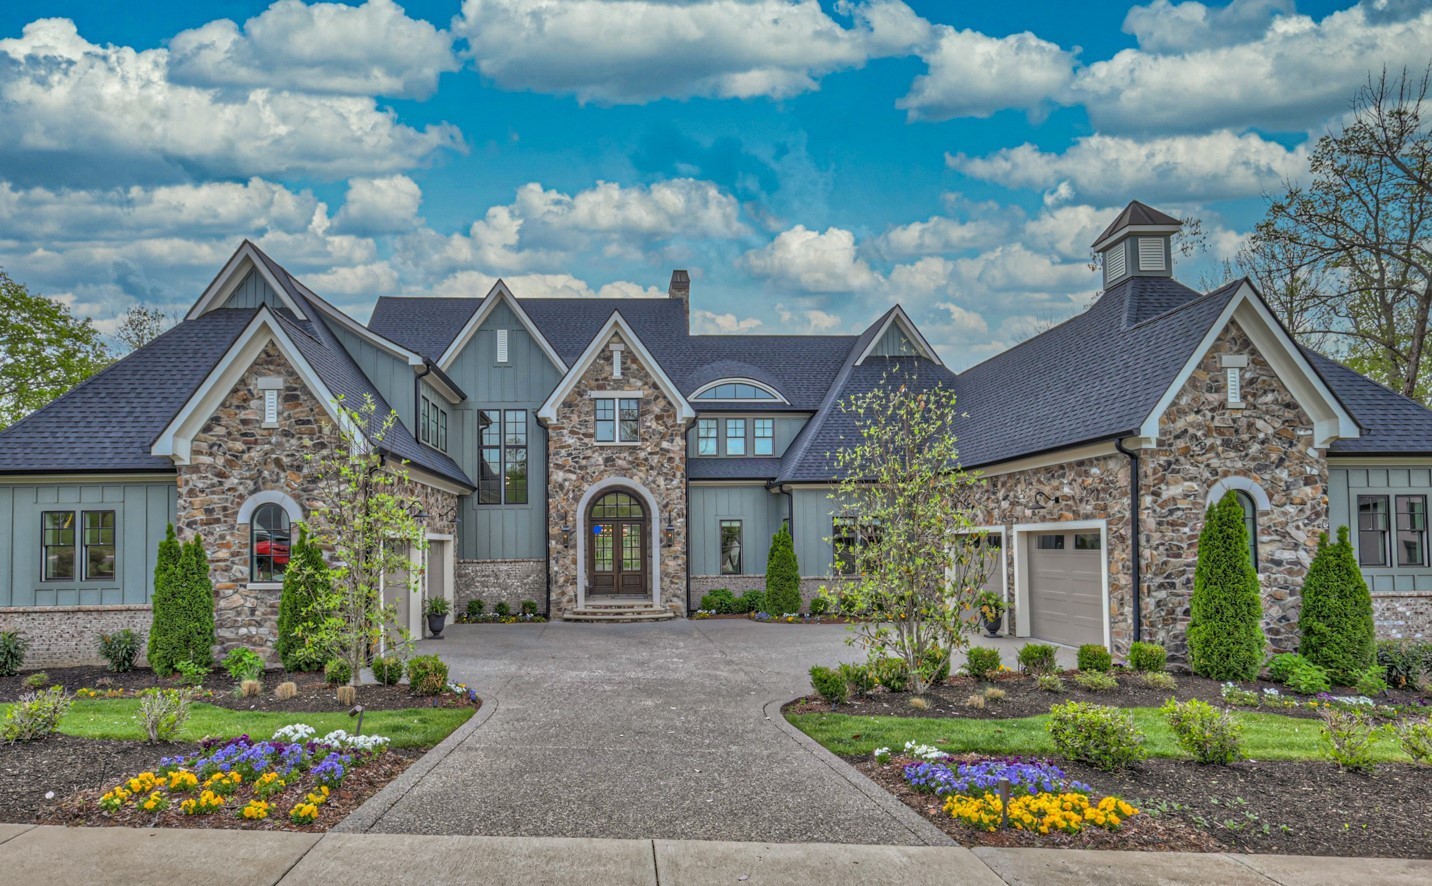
x=1066 y=580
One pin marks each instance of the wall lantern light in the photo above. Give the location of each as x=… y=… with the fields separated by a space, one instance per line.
x=668 y=535
x=567 y=536
x=1040 y=495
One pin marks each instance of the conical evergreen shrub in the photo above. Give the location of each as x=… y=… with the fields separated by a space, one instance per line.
x=1336 y=619
x=306 y=582
x=1225 y=628
x=196 y=636
x=783 y=575
x=167 y=572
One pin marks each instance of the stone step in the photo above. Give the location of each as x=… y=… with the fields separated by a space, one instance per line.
x=619 y=614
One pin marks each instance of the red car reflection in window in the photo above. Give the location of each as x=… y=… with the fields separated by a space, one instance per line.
x=277 y=550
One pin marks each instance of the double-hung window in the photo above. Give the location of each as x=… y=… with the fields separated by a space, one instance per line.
x=502 y=461
x=765 y=436
x=1411 y=530
x=434 y=425
x=1372 y=530
x=849 y=539
x=58 y=544
x=85 y=551
x=99 y=553
x=617 y=419
x=735 y=436
x=706 y=436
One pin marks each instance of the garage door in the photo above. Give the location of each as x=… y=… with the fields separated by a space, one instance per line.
x=1066 y=579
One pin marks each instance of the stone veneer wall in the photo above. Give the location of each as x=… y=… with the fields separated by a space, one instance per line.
x=232 y=458
x=576 y=463
x=66 y=636
x=1402 y=616
x=495 y=581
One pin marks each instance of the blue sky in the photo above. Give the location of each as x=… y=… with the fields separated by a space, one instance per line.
x=810 y=162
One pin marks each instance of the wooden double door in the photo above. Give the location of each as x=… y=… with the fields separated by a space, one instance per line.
x=618 y=545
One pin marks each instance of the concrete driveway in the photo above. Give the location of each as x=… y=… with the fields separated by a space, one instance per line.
x=643 y=731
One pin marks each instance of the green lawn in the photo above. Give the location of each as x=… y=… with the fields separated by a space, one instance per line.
x=118 y=718
x=1265 y=736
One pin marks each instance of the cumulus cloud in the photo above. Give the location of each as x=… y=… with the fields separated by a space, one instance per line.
x=812 y=261
x=373 y=49
x=726 y=324
x=806 y=320
x=380 y=205
x=72 y=108
x=475 y=284
x=983 y=225
x=1165 y=26
x=974 y=75
x=1216 y=166
x=635 y=51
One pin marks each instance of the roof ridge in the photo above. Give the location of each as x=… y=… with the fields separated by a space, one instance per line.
x=1190 y=303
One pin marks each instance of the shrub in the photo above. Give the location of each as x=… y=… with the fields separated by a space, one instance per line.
x=12 y=652
x=119 y=650
x=388 y=669
x=720 y=601
x=243 y=663
x=1147 y=658
x=347 y=695
x=1093 y=657
x=529 y=607
x=936 y=666
x=1206 y=733
x=437 y=606
x=1037 y=658
x=1096 y=681
x=1282 y=665
x=1308 y=678
x=474 y=609
x=1373 y=681
x=1405 y=661
x=427 y=675
x=307 y=583
x=892 y=674
x=502 y=610
x=981 y=663
x=1347 y=738
x=37 y=680
x=1101 y=736
x=994 y=693
x=35 y=715
x=1159 y=680
x=1225 y=628
x=191 y=672
x=752 y=601
x=919 y=703
x=164 y=711
x=976 y=701
x=1415 y=739
x=830 y=685
x=857 y=677
x=337 y=672
x=285 y=690
x=819 y=605
x=783 y=574
x=183 y=606
x=1336 y=619
x=1049 y=683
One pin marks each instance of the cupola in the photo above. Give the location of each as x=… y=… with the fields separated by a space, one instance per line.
x=1137 y=244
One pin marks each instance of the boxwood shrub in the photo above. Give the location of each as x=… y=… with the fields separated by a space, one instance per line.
x=1093 y=657
x=1147 y=657
x=1101 y=736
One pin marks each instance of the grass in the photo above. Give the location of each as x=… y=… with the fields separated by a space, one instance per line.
x=118 y=718
x=1265 y=736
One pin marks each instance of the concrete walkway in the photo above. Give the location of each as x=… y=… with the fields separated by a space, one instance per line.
x=642 y=731
x=31 y=856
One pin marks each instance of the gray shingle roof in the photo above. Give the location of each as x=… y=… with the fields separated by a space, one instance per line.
x=425 y=325
x=1391 y=423
x=732 y=468
x=109 y=421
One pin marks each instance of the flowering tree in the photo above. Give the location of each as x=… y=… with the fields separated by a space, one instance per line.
x=368 y=522
x=909 y=536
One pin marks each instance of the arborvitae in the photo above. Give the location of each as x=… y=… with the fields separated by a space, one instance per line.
x=783 y=575
x=305 y=582
x=196 y=633
x=167 y=566
x=1336 y=619
x=1225 y=628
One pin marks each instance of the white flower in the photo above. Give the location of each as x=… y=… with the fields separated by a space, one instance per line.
x=882 y=755
x=923 y=751
x=295 y=732
x=339 y=738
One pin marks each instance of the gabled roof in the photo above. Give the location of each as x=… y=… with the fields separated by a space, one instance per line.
x=1391 y=423
x=897 y=317
x=1138 y=217
x=498 y=295
x=427 y=325
x=615 y=325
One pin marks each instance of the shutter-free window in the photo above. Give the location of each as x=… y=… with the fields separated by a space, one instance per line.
x=99 y=550
x=1411 y=530
x=765 y=441
x=1151 y=254
x=730 y=547
x=502 y=346
x=58 y=544
x=706 y=436
x=735 y=436
x=1372 y=530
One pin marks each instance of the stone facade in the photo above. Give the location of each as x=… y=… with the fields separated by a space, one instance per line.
x=234 y=457
x=576 y=463
x=500 y=581
x=65 y=636
x=1402 y=616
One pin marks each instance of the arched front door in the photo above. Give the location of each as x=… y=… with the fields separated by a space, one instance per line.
x=617 y=539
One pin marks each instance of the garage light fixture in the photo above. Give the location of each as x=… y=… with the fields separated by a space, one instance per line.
x=1040 y=494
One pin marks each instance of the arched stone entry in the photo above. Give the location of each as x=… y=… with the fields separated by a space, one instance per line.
x=618 y=545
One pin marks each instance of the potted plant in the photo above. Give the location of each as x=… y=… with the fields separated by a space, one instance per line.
x=991 y=609
x=437 y=610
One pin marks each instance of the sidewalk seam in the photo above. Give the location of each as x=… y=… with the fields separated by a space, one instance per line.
x=1269 y=877
x=302 y=855
x=28 y=829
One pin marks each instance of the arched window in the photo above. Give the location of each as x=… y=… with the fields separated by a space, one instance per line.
x=1250 y=520
x=269 y=539
x=736 y=389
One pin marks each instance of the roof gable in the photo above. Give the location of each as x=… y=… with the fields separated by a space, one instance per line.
x=896 y=323
x=499 y=294
x=247 y=259
x=615 y=325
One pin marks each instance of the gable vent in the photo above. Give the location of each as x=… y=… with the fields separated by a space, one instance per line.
x=1114 y=263
x=1151 y=254
x=502 y=346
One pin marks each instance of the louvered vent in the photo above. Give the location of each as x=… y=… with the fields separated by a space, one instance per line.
x=502 y=346
x=1151 y=254
x=1114 y=264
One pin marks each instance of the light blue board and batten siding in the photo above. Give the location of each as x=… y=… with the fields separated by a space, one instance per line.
x=252 y=292
x=893 y=343
x=506 y=532
x=759 y=511
x=786 y=429
x=142 y=511
x=1345 y=484
x=391 y=376
x=814 y=519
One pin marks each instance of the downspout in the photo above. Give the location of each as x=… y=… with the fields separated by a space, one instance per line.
x=686 y=442
x=1133 y=457
x=547 y=513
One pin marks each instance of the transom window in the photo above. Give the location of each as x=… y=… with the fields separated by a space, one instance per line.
x=706 y=436
x=617 y=419
x=270 y=539
x=1372 y=530
x=434 y=425
x=502 y=463
x=765 y=436
x=730 y=547
x=615 y=505
x=735 y=436
x=736 y=390
x=66 y=544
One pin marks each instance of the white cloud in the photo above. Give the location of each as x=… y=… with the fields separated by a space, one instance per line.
x=380 y=205
x=1216 y=166
x=983 y=225
x=974 y=75
x=1292 y=78
x=807 y=320
x=373 y=49
x=344 y=282
x=111 y=113
x=726 y=324
x=1165 y=26
x=634 y=51
x=966 y=321
x=471 y=284
x=813 y=261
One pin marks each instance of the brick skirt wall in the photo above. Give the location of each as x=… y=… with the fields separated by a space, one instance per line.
x=1402 y=616
x=67 y=636
x=494 y=581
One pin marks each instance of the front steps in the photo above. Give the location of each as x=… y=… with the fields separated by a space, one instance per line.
x=619 y=610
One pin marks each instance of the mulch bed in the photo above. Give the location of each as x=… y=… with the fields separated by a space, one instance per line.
x=61 y=765
x=734 y=616
x=1286 y=808
x=314 y=695
x=1024 y=699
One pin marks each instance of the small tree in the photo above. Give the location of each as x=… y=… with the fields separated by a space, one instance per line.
x=1225 y=627
x=306 y=583
x=783 y=574
x=1336 y=619
x=182 y=629
x=161 y=650
x=368 y=519
x=197 y=606
x=912 y=504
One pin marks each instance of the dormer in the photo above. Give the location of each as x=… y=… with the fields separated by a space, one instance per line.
x=1138 y=244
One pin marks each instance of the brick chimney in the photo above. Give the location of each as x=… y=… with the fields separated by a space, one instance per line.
x=680 y=288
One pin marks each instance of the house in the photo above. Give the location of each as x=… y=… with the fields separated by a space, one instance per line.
x=585 y=453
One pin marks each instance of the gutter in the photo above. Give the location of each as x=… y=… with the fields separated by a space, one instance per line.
x=1133 y=457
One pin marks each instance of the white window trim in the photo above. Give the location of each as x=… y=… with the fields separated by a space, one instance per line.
x=1003 y=566
x=502 y=352
x=1021 y=569
x=696 y=395
x=617 y=423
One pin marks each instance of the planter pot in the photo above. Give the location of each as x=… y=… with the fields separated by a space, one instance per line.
x=436 y=623
x=992 y=625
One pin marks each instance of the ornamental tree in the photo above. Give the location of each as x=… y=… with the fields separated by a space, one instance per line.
x=914 y=574
x=783 y=574
x=367 y=519
x=1225 y=627
x=1336 y=618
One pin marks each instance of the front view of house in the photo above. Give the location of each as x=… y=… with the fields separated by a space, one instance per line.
x=585 y=452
